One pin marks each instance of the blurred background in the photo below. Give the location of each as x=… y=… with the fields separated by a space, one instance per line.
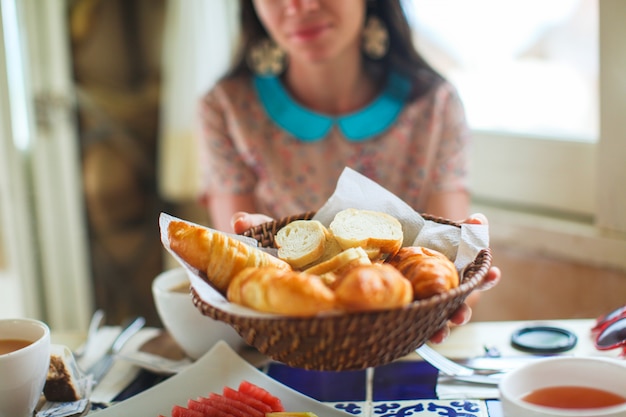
x=98 y=121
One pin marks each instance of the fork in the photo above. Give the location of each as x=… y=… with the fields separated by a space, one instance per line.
x=94 y=325
x=458 y=371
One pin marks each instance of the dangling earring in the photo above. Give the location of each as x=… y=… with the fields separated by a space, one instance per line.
x=266 y=58
x=375 y=38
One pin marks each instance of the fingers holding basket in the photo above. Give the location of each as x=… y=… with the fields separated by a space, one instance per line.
x=242 y=221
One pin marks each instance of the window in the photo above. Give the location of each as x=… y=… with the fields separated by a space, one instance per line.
x=531 y=76
x=549 y=146
x=522 y=67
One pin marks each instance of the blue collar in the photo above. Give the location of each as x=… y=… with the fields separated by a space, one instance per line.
x=309 y=126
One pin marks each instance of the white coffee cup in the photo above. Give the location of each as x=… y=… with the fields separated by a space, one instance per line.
x=23 y=371
x=194 y=332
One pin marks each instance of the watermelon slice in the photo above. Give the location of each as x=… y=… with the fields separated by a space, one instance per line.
x=207 y=409
x=261 y=394
x=178 y=411
x=246 y=399
x=232 y=406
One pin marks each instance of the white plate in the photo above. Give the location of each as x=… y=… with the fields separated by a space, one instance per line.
x=219 y=367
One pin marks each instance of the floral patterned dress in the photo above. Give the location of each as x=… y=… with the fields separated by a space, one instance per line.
x=257 y=140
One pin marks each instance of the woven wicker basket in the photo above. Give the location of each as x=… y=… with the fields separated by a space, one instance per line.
x=348 y=341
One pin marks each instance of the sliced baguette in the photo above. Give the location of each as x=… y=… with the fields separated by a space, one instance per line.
x=301 y=242
x=331 y=249
x=341 y=262
x=379 y=234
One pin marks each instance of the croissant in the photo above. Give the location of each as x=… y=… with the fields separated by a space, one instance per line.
x=430 y=272
x=220 y=256
x=372 y=287
x=273 y=290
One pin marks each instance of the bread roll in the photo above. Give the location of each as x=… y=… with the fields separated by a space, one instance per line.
x=273 y=290
x=339 y=264
x=301 y=242
x=331 y=249
x=220 y=256
x=379 y=234
x=430 y=272
x=373 y=287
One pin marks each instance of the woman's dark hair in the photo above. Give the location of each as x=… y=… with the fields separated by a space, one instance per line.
x=402 y=56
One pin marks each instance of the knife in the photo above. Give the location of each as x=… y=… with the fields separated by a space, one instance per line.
x=503 y=363
x=102 y=365
x=493 y=379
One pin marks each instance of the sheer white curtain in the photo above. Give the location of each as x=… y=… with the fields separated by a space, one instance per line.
x=199 y=43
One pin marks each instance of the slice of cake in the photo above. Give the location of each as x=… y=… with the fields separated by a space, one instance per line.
x=62 y=381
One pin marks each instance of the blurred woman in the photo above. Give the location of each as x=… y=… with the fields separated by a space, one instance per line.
x=320 y=85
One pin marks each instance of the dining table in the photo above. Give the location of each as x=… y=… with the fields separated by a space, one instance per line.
x=407 y=386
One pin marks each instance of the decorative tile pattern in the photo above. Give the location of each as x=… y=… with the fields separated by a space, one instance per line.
x=422 y=408
x=355 y=408
x=399 y=389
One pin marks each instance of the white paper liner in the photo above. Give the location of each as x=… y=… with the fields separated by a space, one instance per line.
x=354 y=190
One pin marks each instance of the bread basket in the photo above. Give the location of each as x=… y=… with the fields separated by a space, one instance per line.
x=348 y=341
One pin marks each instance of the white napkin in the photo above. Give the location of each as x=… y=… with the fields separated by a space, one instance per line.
x=354 y=190
x=122 y=372
x=357 y=191
x=155 y=363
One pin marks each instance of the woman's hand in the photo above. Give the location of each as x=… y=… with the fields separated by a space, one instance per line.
x=242 y=221
x=463 y=314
